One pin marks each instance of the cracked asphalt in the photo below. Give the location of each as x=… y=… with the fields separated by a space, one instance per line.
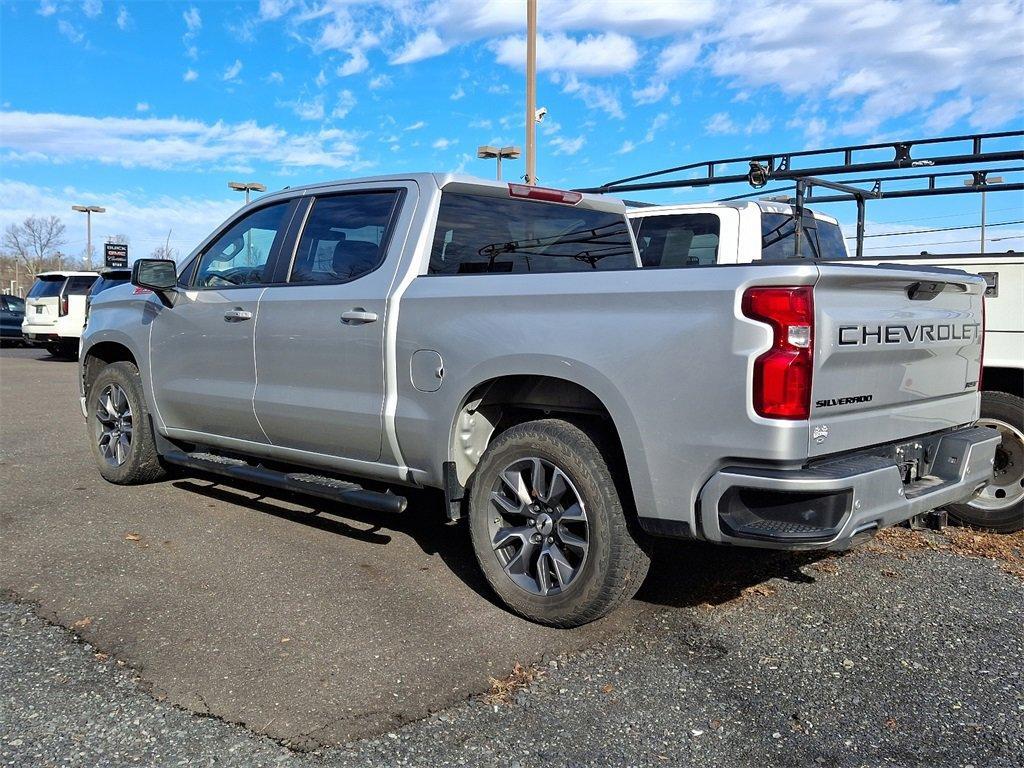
x=188 y=623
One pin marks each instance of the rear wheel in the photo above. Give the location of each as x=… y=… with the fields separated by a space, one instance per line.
x=999 y=506
x=548 y=526
x=120 y=430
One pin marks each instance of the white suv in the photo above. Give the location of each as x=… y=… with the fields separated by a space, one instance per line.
x=55 y=311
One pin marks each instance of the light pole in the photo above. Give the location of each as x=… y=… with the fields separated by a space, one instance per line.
x=531 y=92
x=488 y=152
x=88 y=210
x=982 y=179
x=247 y=187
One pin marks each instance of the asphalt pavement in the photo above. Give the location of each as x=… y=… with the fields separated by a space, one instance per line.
x=193 y=623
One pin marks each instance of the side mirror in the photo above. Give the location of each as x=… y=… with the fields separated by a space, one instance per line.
x=156 y=274
x=159 y=276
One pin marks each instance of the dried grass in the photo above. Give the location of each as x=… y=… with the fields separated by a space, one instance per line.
x=503 y=691
x=1006 y=550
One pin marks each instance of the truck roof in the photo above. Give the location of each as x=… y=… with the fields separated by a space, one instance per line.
x=766 y=206
x=441 y=180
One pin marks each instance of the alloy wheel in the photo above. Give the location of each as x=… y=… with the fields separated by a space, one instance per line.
x=538 y=526
x=1007 y=486
x=114 y=414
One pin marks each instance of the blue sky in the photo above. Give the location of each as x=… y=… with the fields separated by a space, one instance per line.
x=149 y=108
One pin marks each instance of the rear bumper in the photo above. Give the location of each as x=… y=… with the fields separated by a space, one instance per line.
x=833 y=504
x=40 y=339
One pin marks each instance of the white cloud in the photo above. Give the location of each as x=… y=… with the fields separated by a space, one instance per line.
x=758 y=124
x=720 y=123
x=92 y=8
x=193 y=20
x=166 y=143
x=660 y=121
x=566 y=146
x=602 y=54
x=346 y=102
x=378 y=82
x=147 y=221
x=356 y=63
x=594 y=96
x=425 y=45
x=458 y=93
x=190 y=75
x=415 y=126
x=443 y=143
x=306 y=109
x=274 y=78
x=627 y=147
x=274 y=9
x=124 y=19
x=652 y=93
x=320 y=79
x=47 y=8
x=232 y=72
x=142 y=106
x=70 y=31
x=678 y=57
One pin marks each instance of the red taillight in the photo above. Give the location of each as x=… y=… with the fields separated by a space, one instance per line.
x=62 y=306
x=544 y=193
x=782 y=375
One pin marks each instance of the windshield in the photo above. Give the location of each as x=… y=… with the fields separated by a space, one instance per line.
x=819 y=240
x=47 y=287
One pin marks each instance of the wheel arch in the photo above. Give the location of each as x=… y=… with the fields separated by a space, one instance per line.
x=1003 y=379
x=494 y=404
x=98 y=356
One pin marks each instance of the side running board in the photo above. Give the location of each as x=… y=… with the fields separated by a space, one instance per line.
x=311 y=485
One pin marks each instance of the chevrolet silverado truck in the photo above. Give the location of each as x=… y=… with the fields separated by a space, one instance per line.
x=746 y=232
x=501 y=343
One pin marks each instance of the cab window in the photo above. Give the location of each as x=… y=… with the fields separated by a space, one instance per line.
x=344 y=238
x=240 y=256
x=681 y=240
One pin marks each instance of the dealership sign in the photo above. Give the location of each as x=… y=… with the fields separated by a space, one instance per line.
x=115 y=255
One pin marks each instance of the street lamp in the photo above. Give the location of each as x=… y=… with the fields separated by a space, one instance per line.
x=982 y=179
x=247 y=187
x=488 y=152
x=88 y=210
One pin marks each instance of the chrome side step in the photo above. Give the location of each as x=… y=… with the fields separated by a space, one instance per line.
x=298 y=482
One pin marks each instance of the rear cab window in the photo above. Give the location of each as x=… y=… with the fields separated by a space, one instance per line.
x=480 y=234
x=820 y=239
x=677 y=240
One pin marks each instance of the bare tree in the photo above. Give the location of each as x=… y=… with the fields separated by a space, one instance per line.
x=36 y=242
x=164 y=252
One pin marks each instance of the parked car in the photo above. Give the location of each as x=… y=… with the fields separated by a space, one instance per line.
x=12 y=313
x=500 y=342
x=747 y=232
x=55 y=311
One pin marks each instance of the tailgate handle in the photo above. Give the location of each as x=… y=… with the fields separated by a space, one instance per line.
x=925 y=291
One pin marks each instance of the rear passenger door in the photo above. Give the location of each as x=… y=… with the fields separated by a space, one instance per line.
x=320 y=335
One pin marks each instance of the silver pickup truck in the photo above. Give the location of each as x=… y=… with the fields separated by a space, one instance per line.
x=501 y=343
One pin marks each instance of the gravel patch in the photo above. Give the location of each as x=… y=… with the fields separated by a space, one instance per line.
x=871 y=659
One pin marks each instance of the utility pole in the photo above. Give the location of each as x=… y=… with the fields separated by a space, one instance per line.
x=487 y=152
x=88 y=210
x=982 y=179
x=531 y=91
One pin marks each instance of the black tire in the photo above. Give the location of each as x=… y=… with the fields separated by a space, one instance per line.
x=141 y=462
x=1006 y=413
x=54 y=349
x=616 y=561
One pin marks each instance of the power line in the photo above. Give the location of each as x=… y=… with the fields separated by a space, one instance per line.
x=938 y=242
x=939 y=229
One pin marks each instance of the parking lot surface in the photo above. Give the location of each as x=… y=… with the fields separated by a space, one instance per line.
x=311 y=634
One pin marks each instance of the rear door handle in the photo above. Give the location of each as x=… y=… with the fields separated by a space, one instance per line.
x=237 y=315
x=358 y=316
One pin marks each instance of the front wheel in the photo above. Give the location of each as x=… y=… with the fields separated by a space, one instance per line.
x=999 y=506
x=548 y=525
x=119 y=427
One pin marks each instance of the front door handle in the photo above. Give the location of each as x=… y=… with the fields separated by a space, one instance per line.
x=358 y=316
x=237 y=315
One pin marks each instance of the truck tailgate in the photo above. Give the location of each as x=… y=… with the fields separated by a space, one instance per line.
x=897 y=354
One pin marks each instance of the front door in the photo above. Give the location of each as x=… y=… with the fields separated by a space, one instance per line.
x=204 y=372
x=320 y=337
